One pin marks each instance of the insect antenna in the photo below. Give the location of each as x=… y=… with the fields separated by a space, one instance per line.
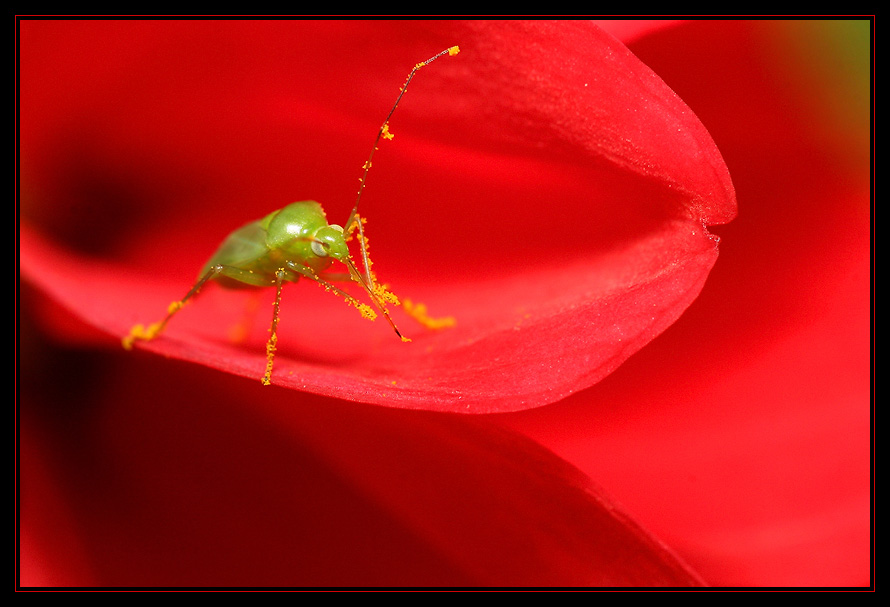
x=383 y=133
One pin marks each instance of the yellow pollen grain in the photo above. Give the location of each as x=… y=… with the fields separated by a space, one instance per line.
x=128 y=340
x=385 y=132
x=141 y=332
x=365 y=310
x=353 y=226
x=383 y=292
x=271 y=346
x=418 y=312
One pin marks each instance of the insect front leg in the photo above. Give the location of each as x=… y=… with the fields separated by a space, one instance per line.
x=307 y=272
x=417 y=311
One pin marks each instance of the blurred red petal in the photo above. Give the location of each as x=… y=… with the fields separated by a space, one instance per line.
x=556 y=200
x=743 y=435
x=251 y=487
x=51 y=551
x=630 y=30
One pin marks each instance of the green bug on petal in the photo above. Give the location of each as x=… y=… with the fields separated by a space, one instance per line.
x=298 y=242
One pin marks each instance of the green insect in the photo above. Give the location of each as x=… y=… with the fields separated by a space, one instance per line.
x=298 y=242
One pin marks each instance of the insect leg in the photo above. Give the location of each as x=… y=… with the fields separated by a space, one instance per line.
x=141 y=332
x=309 y=273
x=354 y=276
x=378 y=294
x=417 y=311
x=272 y=344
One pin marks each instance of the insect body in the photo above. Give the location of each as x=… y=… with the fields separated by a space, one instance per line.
x=298 y=242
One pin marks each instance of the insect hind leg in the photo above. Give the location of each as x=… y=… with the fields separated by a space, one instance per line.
x=147 y=333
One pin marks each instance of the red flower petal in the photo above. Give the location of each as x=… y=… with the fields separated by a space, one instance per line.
x=292 y=490
x=545 y=188
x=742 y=435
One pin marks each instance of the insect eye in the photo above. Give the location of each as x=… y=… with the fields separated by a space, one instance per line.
x=319 y=248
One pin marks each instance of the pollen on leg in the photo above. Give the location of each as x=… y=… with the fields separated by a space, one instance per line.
x=383 y=292
x=365 y=310
x=143 y=333
x=136 y=332
x=271 y=346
